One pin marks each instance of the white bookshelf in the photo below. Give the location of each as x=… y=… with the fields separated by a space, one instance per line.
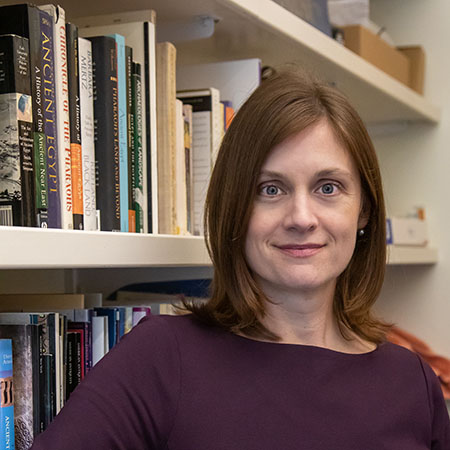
x=28 y=248
x=402 y=255
x=264 y=29
x=245 y=28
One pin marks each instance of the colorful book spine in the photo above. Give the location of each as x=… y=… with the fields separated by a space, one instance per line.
x=22 y=345
x=187 y=118
x=16 y=138
x=87 y=134
x=130 y=139
x=49 y=99
x=122 y=104
x=138 y=160
x=7 y=396
x=75 y=124
x=58 y=17
x=106 y=123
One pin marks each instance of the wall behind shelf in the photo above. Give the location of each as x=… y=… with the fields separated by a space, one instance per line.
x=415 y=165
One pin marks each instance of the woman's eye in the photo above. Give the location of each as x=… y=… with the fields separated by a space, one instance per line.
x=270 y=190
x=328 y=188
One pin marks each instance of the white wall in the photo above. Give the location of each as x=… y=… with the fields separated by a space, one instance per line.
x=416 y=171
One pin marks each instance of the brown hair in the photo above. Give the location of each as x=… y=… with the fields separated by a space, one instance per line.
x=285 y=104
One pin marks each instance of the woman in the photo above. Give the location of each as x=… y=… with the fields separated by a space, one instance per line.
x=286 y=354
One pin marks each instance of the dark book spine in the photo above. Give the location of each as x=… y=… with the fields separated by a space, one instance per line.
x=36 y=332
x=148 y=150
x=138 y=163
x=130 y=126
x=75 y=359
x=106 y=126
x=75 y=124
x=49 y=99
x=16 y=138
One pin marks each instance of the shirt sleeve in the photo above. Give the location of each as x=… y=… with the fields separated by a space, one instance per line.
x=127 y=401
x=440 y=421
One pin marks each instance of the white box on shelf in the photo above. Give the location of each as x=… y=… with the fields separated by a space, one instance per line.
x=407 y=231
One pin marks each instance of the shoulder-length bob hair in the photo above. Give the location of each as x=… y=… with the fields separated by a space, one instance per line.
x=285 y=104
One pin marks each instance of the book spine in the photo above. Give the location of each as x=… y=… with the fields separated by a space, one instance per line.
x=7 y=395
x=87 y=133
x=122 y=105
x=138 y=163
x=48 y=74
x=187 y=116
x=16 y=139
x=106 y=125
x=75 y=124
x=58 y=17
x=151 y=185
x=166 y=123
x=39 y=139
x=130 y=139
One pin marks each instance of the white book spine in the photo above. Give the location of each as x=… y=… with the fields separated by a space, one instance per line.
x=62 y=113
x=217 y=129
x=151 y=82
x=87 y=133
x=180 y=173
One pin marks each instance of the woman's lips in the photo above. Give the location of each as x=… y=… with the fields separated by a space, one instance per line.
x=301 y=251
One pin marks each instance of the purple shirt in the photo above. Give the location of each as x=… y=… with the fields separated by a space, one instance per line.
x=173 y=383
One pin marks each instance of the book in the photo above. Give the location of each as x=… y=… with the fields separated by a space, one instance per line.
x=24 y=20
x=50 y=120
x=87 y=134
x=73 y=72
x=130 y=138
x=123 y=139
x=207 y=124
x=24 y=348
x=139 y=312
x=187 y=119
x=139 y=203
x=100 y=338
x=106 y=125
x=58 y=17
x=138 y=28
x=181 y=211
x=235 y=80
x=7 y=395
x=112 y=313
x=75 y=348
x=16 y=139
x=40 y=302
x=51 y=348
x=166 y=126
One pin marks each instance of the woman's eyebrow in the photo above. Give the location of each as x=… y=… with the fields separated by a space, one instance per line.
x=335 y=171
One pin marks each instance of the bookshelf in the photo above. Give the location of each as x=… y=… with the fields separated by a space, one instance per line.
x=244 y=29
x=60 y=249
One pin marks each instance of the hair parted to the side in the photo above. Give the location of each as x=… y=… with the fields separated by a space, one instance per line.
x=285 y=104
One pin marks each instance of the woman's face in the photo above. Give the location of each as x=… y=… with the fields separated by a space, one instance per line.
x=306 y=214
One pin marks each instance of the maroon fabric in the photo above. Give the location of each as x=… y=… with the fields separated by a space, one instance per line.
x=175 y=384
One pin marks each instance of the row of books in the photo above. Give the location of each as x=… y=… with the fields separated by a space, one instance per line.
x=99 y=128
x=53 y=349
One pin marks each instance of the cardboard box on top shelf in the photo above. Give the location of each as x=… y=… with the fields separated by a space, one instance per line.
x=378 y=52
x=416 y=56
